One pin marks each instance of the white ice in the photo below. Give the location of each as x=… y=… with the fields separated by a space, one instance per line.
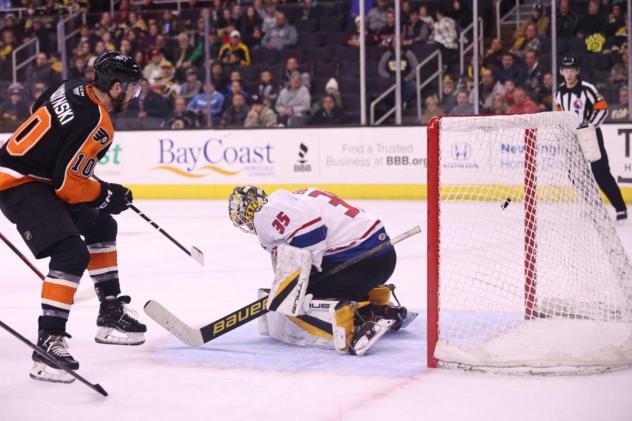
x=243 y=376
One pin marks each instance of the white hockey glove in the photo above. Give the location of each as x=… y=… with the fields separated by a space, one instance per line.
x=287 y=294
x=587 y=137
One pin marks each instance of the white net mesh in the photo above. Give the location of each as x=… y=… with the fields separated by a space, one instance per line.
x=532 y=274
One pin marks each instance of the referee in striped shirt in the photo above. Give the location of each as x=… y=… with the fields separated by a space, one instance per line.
x=582 y=97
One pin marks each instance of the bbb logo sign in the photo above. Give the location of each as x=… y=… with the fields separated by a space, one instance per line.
x=461 y=151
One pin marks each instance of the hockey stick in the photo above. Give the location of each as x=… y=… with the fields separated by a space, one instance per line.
x=195 y=252
x=80 y=296
x=96 y=387
x=199 y=336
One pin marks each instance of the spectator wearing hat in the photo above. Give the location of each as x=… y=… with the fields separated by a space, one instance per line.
x=180 y=117
x=192 y=86
x=329 y=114
x=152 y=71
x=260 y=114
x=165 y=85
x=235 y=52
x=235 y=115
x=294 y=102
x=331 y=89
x=41 y=71
x=211 y=100
x=16 y=107
x=537 y=18
x=281 y=36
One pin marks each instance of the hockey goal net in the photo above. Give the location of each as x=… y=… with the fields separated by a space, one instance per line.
x=526 y=272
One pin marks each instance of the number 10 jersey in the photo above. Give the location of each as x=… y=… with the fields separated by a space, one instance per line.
x=60 y=144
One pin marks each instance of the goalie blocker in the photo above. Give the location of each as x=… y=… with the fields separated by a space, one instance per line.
x=308 y=232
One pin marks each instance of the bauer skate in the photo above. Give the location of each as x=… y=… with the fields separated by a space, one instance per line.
x=118 y=324
x=55 y=345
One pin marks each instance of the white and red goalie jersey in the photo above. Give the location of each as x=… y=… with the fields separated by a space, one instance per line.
x=332 y=229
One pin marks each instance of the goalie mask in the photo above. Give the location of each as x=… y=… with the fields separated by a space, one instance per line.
x=243 y=202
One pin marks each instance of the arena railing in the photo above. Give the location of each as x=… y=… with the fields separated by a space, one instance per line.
x=63 y=37
x=438 y=74
x=463 y=40
x=30 y=58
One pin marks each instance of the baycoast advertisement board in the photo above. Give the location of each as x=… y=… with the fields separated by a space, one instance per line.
x=375 y=162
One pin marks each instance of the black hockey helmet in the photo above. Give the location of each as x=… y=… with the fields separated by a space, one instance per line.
x=113 y=66
x=569 y=62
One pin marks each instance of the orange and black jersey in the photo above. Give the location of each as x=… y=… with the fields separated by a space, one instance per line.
x=61 y=142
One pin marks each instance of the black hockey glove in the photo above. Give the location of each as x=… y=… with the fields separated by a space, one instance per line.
x=114 y=198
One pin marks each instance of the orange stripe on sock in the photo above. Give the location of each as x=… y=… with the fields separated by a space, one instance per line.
x=61 y=293
x=102 y=260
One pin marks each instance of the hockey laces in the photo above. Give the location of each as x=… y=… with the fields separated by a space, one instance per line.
x=58 y=346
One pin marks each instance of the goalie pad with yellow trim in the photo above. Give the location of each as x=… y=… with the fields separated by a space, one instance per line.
x=313 y=328
x=287 y=294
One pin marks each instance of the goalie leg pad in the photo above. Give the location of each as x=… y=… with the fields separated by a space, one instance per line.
x=587 y=137
x=287 y=294
x=342 y=320
x=262 y=322
x=314 y=328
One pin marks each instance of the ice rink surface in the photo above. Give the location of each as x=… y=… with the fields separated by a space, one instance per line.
x=244 y=376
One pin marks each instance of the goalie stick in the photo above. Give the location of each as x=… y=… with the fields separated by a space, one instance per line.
x=199 y=336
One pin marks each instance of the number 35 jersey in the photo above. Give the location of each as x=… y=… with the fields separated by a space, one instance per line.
x=60 y=143
x=329 y=227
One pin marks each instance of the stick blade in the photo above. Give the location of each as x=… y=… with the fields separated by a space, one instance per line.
x=100 y=389
x=179 y=329
x=197 y=255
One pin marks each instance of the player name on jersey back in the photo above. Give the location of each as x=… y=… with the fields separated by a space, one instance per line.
x=60 y=105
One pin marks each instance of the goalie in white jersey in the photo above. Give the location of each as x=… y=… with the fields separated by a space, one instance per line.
x=350 y=309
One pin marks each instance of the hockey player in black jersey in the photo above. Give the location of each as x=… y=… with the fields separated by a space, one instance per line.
x=48 y=191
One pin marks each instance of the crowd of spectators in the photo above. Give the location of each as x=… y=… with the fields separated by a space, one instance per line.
x=515 y=78
x=264 y=73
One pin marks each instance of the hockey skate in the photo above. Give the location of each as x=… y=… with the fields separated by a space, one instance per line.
x=54 y=344
x=380 y=307
x=118 y=324
x=368 y=333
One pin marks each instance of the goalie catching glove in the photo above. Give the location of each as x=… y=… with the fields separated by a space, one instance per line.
x=114 y=198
